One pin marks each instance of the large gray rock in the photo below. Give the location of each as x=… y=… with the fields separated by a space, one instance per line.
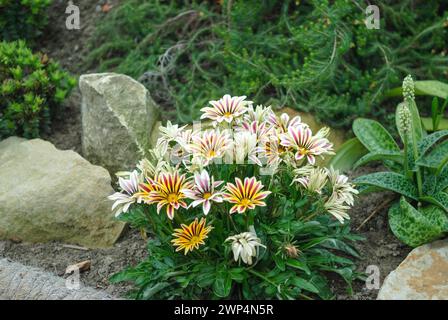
x=423 y=275
x=48 y=194
x=19 y=282
x=118 y=116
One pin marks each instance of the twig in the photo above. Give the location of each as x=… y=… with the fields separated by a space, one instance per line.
x=378 y=209
x=70 y=246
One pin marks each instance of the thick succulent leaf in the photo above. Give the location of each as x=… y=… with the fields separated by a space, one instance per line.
x=427 y=124
x=364 y=189
x=436 y=158
x=430 y=140
x=439 y=199
x=347 y=155
x=374 y=136
x=389 y=181
x=380 y=156
x=417 y=126
x=424 y=87
x=414 y=227
x=442 y=179
x=430 y=184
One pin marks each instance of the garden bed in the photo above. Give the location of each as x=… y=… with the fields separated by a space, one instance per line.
x=369 y=216
x=381 y=248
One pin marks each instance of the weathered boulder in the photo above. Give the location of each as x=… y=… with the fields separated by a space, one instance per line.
x=48 y=194
x=19 y=282
x=118 y=116
x=423 y=275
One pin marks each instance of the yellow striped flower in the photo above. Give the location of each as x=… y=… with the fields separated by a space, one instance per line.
x=191 y=236
x=167 y=191
x=245 y=195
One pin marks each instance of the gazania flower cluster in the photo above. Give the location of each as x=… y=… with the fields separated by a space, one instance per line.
x=179 y=179
x=340 y=192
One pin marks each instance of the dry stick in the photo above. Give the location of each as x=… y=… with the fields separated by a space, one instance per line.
x=70 y=246
x=378 y=209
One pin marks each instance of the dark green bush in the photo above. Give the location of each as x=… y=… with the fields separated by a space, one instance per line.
x=32 y=88
x=22 y=19
x=314 y=55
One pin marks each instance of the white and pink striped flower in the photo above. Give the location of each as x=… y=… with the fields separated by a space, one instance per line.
x=126 y=197
x=283 y=122
x=225 y=109
x=204 y=191
x=301 y=139
x=209 y=145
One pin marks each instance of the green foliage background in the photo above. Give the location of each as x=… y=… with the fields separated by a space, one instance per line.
x=313 y=55
x=22 y=19
x=32 y=87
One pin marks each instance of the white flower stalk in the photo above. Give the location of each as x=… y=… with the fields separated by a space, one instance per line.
x=203 y=192
x=342 y=189
x=408 y=88
x=336 y=207
x=301 y=139
x=124 y=199
x=227 y=109
x=244 y=246
x=403 y=119
x=314 y=181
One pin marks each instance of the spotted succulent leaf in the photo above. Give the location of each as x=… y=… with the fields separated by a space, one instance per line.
x=414 y=227
x=389 y=181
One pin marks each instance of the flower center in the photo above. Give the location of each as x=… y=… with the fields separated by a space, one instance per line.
x=173 y=197
x=195 y=240
x=207 y=195
x=245 y=202
x=303 y=151
x=211 y=154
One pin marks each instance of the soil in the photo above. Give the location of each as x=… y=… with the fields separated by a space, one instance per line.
x=69 y=47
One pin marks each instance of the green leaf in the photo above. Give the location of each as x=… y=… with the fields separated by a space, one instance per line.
x=380 y=156
x=440 y=199
x=414 y=227
x=424 y=87
x=149 y=292
x=279 y=262
x=427 y=124
x=374 y=136
x=389 y=181
x=223 y=284
x=436 y=158
x=294 y=263
x=442 y=180
x=347 y=155
x=430 y=140
x=304 y=284
x=337 y=244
